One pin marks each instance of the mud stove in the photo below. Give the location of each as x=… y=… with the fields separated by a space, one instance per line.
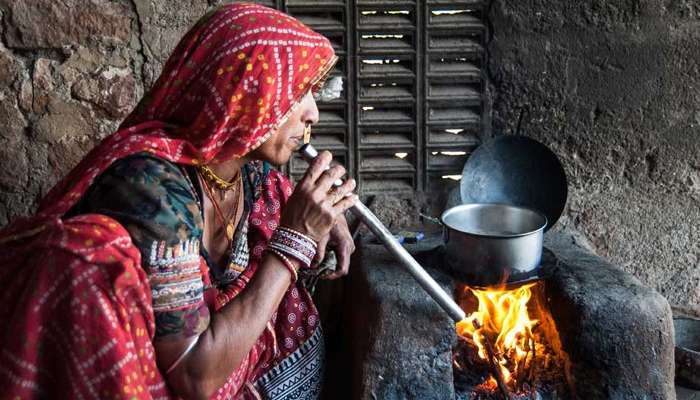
x=586 y=330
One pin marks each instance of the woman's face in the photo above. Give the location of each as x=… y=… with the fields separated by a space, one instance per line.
x=278 y=148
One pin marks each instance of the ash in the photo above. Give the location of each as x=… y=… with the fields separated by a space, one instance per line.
x=546 y=380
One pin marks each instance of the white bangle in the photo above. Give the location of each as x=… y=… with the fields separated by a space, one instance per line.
x=184 y=353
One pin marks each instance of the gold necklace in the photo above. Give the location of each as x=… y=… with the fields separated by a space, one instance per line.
x=219 y=182
x=230 y=229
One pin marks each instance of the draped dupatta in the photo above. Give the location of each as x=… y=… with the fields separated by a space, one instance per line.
x=75 y=301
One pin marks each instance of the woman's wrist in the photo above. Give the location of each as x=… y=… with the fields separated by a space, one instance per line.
x=294 y=245
x=300 y=234
x=291 y=265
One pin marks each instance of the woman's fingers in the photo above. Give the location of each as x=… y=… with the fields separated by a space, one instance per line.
x=317 y=168
x=328 y=178
x=345 y=203
x=313 y=206
x=320 y=250
x=343 y=245
x=341 y=191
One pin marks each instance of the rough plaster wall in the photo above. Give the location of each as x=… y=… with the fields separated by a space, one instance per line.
x=70 y=71
x=613 y=86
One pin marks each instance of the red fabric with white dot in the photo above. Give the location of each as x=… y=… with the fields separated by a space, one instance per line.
x=77 y=307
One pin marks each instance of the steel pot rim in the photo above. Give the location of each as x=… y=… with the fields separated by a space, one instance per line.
x=490 y=235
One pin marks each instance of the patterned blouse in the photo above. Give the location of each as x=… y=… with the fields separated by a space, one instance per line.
x=159 y=203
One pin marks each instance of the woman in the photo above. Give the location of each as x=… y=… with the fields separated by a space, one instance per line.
x=165 y=264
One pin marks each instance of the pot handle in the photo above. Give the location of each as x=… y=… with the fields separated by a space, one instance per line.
x=431 y=219
x=445 y=230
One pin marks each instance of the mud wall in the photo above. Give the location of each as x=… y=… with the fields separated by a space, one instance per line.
x=612 y=86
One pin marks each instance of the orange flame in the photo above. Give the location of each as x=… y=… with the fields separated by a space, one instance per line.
x=502 y=322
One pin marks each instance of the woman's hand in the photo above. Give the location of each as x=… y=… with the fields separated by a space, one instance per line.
x=315 y=205
x=341 y=242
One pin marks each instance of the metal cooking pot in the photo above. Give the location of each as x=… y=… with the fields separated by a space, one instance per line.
x=492 y=244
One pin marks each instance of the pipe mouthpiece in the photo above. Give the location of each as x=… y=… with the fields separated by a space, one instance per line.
x=308 y=152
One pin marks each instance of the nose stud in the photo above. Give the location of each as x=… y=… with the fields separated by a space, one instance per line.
x=307 y=133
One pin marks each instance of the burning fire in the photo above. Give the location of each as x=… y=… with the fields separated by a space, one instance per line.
x=502 y=330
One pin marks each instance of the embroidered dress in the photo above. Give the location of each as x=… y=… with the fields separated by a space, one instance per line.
x=159 y=203
x=85 y=295
x=155 y=202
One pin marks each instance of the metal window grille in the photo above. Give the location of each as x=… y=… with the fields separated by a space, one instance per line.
x=412 y=103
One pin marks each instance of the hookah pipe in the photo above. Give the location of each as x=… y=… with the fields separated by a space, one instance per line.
x=308 y=153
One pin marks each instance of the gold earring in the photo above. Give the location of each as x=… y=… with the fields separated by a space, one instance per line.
x=307 y=133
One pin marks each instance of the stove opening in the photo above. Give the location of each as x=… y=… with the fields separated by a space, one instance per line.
x=508 y=345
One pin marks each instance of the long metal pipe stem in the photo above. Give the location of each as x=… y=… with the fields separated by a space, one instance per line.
x=424 y=279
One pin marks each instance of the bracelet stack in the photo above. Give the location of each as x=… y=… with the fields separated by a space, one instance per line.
x=294 y=244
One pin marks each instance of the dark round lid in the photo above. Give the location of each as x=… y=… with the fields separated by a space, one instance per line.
x=516 y=170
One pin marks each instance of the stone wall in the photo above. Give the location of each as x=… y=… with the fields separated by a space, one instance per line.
x=611 y=86
x=70 y=71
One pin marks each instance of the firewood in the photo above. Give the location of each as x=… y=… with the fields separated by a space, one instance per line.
x=531 y=368
x=495 y=370
x=522 y=372
x=493 y=364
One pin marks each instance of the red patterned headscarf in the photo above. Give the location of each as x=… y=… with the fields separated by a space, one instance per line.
x=233 y=79
x=230 y=83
